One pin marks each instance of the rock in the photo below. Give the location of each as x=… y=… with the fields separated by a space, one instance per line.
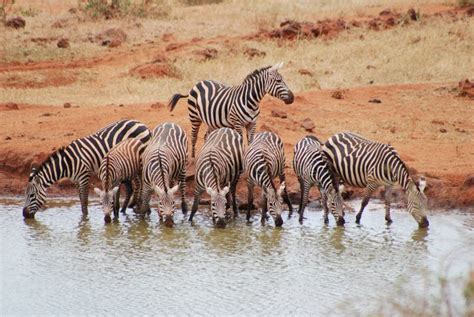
x=337 y=94
x=63 y=43
x=59 y=24
x=67 y=105
x=305 y=72
x=308 y=124
x=466 y=88
x=16 y=23
x=253 y=52
x=279 y=114
x=468 y=181
x=155 y=70
x=206 y=54
x=412 y=14
x=11 y=106
x=168 y=37
x=470 y=11
x=264 y=127
x=112 y=37
x=443 y=130
x=375 y=100
x=8 y=138
x=385 y=12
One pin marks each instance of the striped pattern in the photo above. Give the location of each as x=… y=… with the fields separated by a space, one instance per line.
x=218 y=168
x=265 y=160
x=360 y=162
x=311 y=168
x=78 y=161
x=235 y=107
x=164 y=163
x=122 y=164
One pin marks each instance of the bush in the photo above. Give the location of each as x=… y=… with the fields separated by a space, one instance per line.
x=465 y=3
x=122 y=8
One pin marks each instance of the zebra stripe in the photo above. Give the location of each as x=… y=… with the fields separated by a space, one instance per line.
x=263 y=161
x=77 y=161
x=311 y=168
x=360 y=162
x=218 y=168
x=122 y=164
x=234 y=107
x=164 y=162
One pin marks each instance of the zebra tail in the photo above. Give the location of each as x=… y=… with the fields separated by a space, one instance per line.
x=174 y=100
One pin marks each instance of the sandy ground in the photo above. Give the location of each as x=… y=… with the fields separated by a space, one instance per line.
x=430 y=124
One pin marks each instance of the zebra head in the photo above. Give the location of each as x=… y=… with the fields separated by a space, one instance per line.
x=218 y=205
x=417 y=202
x=35 y=195
x=274 y=203
x=335 y=205
x=107 y=201
x=276 y=86
x=166 y=205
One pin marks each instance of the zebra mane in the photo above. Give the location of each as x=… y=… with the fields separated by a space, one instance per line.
x=213 y=171
x=40 y=167
x=107 y=174
x=255 y=73
x=161 y=171
x=267 y=170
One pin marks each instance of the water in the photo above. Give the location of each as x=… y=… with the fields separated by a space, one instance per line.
x=61 y=263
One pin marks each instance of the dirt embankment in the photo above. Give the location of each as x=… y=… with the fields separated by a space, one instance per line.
x=440 y=146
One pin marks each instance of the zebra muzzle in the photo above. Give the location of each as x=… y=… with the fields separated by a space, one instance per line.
x=107 y=219
x=289 y=100
x=424 y=223
x=169 y=222
x=278 y=221
x=27 y=214
x=220 y=223
x=340 y=221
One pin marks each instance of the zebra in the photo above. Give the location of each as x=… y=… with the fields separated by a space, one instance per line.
x=236 y=107
x=360 y=162
x=263 y=161
x=164 y=162
x=311 y=168
x=122 y=163
x=218 y=168
x=78 y=161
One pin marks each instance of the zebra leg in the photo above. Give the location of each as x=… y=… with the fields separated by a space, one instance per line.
x=128 y=194
x=388 y=200
x=251 y=131
x=367 y=193
x=304 y=199
x=324 y=203
x=286 y=198
x=194 y=134
x=233 y=189
x=83 y=187
x=116 y=203
x=250 y=187
x=197 y=197
x=182 y=187
x=136 y=190
x=144 y=200
x=264 y=209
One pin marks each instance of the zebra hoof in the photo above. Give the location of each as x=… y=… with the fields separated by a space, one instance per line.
x=389 y=221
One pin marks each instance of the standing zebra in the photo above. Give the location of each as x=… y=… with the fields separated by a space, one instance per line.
x=263 y=161
x=164 y=162
x=234 y=107
x=363 y=163
x=122 y=164
x=311 y=168
x=77 y=161
x=218 y=168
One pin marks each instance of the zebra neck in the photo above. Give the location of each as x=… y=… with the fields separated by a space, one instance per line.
x=402 y=176
x=254 y=91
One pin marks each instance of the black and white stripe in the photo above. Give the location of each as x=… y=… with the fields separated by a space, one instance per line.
x=235 y=107
x=164 y=162
x=311 y=168
x=218 y=168
x=263 y=161
x=78 y=161
x=360 y=162
x=122 y=164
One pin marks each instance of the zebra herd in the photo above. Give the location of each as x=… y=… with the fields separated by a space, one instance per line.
x=154 y=162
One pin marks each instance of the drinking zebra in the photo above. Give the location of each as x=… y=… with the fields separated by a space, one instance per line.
x=218 y=168
x=164 y=162
x=235 y=107
x=123 y=164
x=263 y=161
x=311 y=168
x=78 y=161
x=360 y=162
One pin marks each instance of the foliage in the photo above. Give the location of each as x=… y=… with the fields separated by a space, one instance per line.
x=5 y=7
x=123 y=8
x=465 y=3
x=200 y=2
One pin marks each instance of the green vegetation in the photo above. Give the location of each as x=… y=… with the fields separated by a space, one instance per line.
x=465 y=3
x=122 y=8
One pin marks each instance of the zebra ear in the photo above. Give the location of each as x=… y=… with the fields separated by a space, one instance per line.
x=173 y=190
x=97 y=191
x=422 y=184
x=115 y=190
x=225 y=190
x=277 y=66
x=281 y=189
x=158 y=190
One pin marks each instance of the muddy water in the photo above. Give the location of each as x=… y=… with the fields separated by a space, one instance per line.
x=62 y=264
